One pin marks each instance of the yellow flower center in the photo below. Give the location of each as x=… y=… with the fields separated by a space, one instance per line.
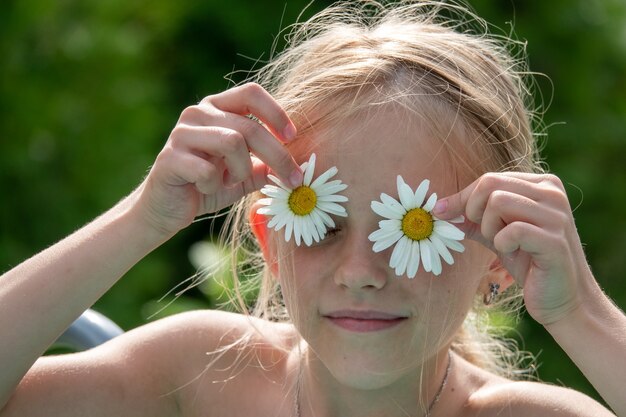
x=417 y=224
x=302 y=200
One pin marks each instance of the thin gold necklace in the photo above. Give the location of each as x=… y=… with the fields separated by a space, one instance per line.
x=430 y=406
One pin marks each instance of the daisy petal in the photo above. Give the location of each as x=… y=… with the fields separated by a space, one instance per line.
x=455 y=245
x=278 y=182
x=384 y=234
x=318 y=223
x=276 y=192
x=398 y=252
x=289 y=228
x=278 y=210
x=407 y=198
x=390 y=224
x=420 y=193
x=297 y=229
x=308 y=171
x=383 y=210
x=324 y=177
x=425 y=251
x=273 y=221
x=332 y=187
x=430 y=203
x=441 y=248
x=447 y=230
x=436 y=262
x=389 y=200
x=393 y=204
x=271 y=210
x=386 y=241
x=264 y=210
x=283 y=219
x=336 y=198
x=307 y=231
x=326 y=219
x=404 y=260
x=414 y=262
x=332 y=208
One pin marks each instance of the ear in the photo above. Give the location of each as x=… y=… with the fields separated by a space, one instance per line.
x=258 y=224
x=497 y=274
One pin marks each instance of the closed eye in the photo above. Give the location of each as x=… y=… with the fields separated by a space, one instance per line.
x=332 y=232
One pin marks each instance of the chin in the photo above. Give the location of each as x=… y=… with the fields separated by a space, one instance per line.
x=363 y=378
x=360 y=370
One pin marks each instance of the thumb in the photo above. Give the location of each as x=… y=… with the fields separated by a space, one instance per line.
x=452 y=206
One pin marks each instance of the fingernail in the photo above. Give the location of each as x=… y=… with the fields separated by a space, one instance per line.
x=289 y=132
x=440 y=206
x=296 y=177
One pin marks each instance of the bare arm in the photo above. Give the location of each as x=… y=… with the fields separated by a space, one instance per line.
x=527 y=221
x=148 y=371
x=206 y=164
x=42 y=296
x=594 y=337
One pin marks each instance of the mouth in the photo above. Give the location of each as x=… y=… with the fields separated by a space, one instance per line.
x=364 y=321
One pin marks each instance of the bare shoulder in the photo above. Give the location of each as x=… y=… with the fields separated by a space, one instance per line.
x=498 y=396
x=159 y=368
x=210 y=344
x=212 y=357
x=536 y=399
x=206 y=331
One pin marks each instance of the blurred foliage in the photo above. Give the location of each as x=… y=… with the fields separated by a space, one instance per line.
x=90 y=90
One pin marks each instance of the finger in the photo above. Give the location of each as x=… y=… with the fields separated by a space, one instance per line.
x=219 y=142
x=472 y=231
x=472 y=200
x=517 y=264
x=253 y=99
x=254 y=182
x=257 y=139
x=235 y=104
x=543 y=246
x=206 y=176
x=192 y=169
x=263 y=145
x=504 y=207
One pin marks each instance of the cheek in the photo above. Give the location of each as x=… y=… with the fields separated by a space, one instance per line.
x=469 y=267
x=450 y=297
x=299 y=275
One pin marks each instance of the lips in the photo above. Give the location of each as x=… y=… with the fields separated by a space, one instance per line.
x=364 y=321
x=364 y=315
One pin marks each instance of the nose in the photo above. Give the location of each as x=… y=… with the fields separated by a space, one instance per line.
x=359 y=267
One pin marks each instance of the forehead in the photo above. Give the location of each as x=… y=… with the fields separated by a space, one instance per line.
x=371 y=149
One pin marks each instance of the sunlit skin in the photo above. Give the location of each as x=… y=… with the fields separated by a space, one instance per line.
x=381 y=367
x=339 y=293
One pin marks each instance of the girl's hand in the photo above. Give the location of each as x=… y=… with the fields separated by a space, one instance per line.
x=527 y=221
x=215 y=155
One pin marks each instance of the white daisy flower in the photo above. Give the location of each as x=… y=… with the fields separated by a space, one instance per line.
x=417 y=235
x=305 y=210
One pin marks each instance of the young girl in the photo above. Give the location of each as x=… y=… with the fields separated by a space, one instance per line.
x=366 y=103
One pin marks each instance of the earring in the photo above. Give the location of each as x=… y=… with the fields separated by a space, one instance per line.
x=492 y=294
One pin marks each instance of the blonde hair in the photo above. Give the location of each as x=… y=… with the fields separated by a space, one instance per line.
x=436 y=60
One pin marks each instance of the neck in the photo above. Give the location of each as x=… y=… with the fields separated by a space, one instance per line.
x=413 y=392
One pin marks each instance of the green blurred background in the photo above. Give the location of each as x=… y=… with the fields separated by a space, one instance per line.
x=90 y=90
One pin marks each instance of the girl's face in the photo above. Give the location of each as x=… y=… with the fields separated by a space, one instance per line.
x=330 y=284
